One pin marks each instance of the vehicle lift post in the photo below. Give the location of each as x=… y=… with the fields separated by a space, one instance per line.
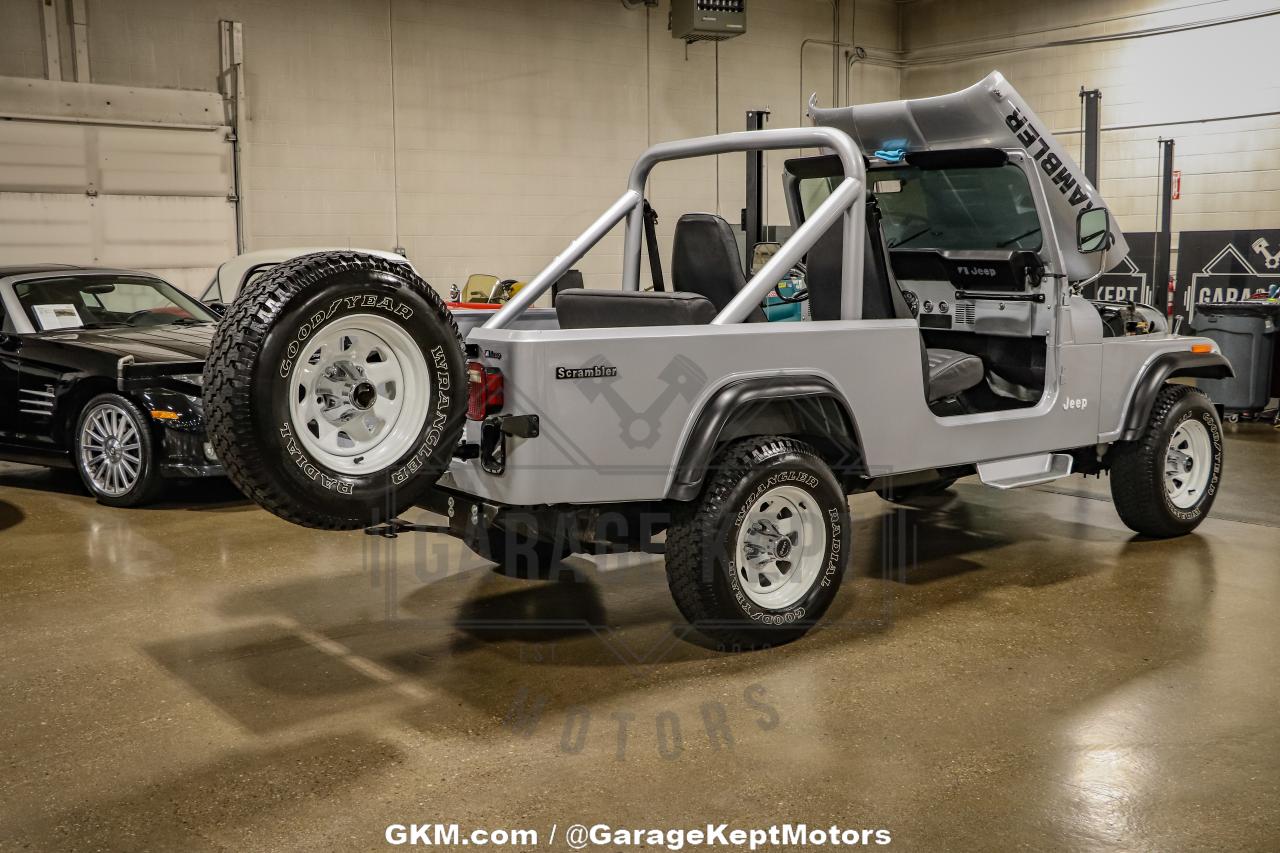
x=1091 y=104
x=753 y=213
x=1164 y=236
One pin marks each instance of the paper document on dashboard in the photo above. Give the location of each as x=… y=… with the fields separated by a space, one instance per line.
x=58 y=316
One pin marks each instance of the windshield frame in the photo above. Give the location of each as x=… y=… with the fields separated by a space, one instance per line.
x=24 y=320
x=1031 y=238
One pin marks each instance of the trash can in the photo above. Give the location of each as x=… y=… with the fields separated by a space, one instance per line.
x=1246 y=334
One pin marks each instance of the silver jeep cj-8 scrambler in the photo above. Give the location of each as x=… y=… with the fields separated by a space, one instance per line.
x=944 y=243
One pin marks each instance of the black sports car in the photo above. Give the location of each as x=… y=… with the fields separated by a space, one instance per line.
x=101 y=370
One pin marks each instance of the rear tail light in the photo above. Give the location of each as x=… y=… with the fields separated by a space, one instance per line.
x=484 y=391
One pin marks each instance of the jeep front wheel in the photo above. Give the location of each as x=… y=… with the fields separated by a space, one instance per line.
x=757 y=559
x=1164 y=483
x=335 y=390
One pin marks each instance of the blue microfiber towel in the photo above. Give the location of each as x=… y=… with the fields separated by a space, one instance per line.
x=892 y=155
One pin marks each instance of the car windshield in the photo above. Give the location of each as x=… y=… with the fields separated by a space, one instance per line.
x=96 y=301
x=957 y=208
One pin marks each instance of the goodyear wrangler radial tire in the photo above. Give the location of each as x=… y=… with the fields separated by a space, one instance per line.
x=335 y=389
x=730 y=571
x=1163 y=483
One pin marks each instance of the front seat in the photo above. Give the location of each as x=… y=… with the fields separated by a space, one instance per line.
x=705 y=261
x=947 y=372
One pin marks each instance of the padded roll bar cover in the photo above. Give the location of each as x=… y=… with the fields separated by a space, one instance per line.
x=607 y=309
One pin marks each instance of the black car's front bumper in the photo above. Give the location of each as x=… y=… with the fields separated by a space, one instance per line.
x=184 y=449
x=187 y=453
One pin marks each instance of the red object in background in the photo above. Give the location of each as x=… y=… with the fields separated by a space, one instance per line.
x=1169 y=307
x=1177 y=184
x=486 y=306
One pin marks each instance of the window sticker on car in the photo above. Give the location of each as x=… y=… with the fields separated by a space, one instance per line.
x=58 y=316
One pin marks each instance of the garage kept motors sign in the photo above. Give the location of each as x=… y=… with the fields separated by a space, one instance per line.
x=1130 y=280
x=1224 y=266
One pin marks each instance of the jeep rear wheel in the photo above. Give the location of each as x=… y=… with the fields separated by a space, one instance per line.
x=1164 y=483
x=758 y=557
x=335 y=389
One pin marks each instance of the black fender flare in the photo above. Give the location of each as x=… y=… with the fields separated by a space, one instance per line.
x=1201 y=365
x=810 y=408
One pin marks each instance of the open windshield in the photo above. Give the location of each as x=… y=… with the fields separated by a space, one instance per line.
x=97 y=301
x=980 y=208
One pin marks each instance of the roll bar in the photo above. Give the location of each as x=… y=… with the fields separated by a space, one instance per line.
x=846 y=201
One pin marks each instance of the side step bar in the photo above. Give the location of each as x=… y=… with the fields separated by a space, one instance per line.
x=1022 y=471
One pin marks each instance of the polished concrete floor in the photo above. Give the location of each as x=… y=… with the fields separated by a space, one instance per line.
x=1003 y=671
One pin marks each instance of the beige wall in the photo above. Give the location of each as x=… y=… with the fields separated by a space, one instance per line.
x=515 y=122
x=1230 y=169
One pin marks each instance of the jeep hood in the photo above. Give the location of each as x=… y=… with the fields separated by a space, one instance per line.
x=988 y=114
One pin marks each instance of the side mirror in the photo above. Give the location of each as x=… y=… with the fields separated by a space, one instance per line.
x=761 y=254
x=1093 y=230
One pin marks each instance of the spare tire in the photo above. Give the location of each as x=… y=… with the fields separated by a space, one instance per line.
x=335 y=389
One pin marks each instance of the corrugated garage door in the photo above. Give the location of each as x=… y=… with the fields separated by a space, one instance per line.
x=151 y=198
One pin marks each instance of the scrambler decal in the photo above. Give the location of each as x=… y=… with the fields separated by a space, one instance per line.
x=595 y=371
x=1050 y=163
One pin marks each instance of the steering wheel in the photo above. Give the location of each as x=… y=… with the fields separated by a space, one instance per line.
x=138 y=315
x=799 y=271
x=801 y=295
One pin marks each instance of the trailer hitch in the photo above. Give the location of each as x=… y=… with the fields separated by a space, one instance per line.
x=396 y=526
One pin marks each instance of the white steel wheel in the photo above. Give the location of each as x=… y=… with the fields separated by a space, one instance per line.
x=359 y=393
x=110 y=450
x=781 y=546
x=1188 y=464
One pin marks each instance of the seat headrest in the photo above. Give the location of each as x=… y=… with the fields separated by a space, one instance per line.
x=705 y=258
x=571 y=280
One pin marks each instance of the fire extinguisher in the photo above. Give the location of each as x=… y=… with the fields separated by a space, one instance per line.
x=1169 y=308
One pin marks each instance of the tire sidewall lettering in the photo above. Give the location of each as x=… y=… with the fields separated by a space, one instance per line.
x=833 y=560
x=440 y=411
x=318 y=319
x=1211 y=424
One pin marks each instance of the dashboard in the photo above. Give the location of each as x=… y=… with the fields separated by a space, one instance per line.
x=990 y=292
